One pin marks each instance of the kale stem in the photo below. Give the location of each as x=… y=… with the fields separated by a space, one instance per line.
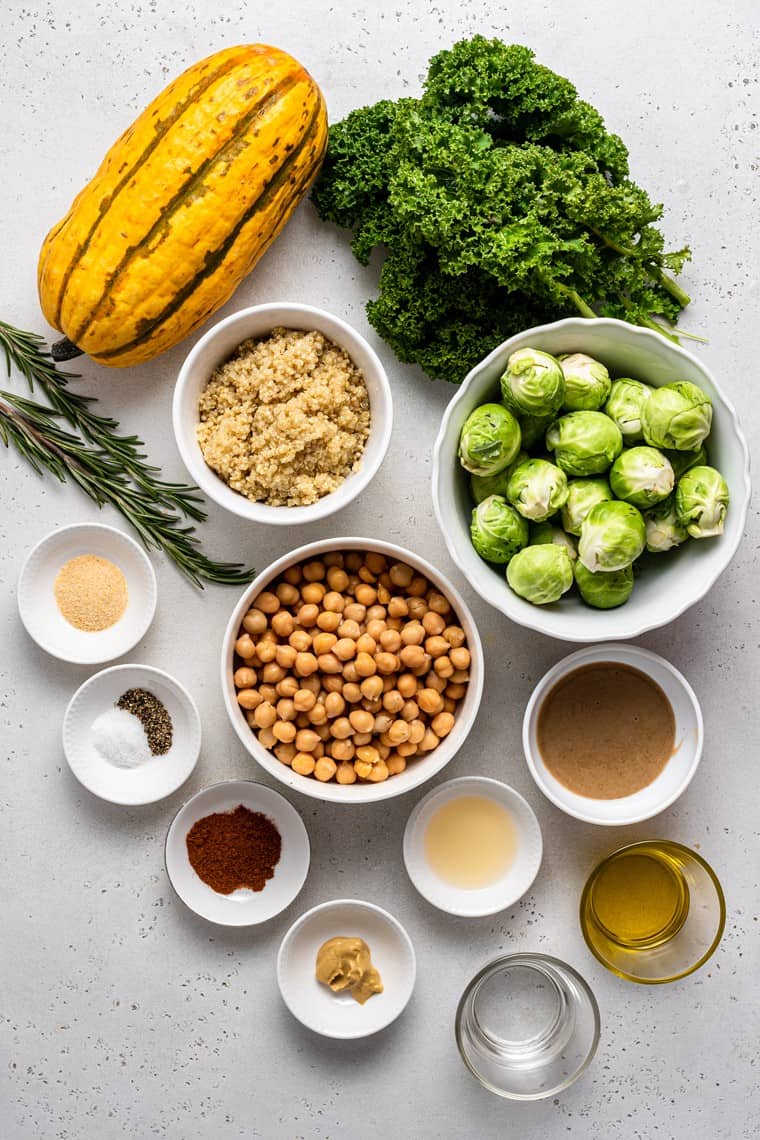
x=584 y=309
x=670 y=286
x=624 y=251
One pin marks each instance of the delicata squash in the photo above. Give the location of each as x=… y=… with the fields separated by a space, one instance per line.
x=183 y=206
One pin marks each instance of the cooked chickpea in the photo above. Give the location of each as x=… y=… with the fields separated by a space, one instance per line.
x=417 y=729
x=305 y=664
x=323 y=643
x=371 y=687
x=390 y=640
x=313 y=593
x=412 y=656
x=383 y=721
x=307 y=616
x=307 y=740
x=304 y=700
x=386 y=663
x=303 y=763
x=318 y=715
x=455 y=692
x=325 y=768
x=272 y=673
x=350 y=674
x=255 y=621
x=430 y=701
x=337 y=579
x=397 y=607
x=267 y=602
x=407 y=685
x=268 y=693
x=300 y=640
x=417 y=608
x=349 y=629
x=265 y=715
x=459 y=676
x=376 y=562
x=443 y=667
x=436 y=646
x=410 y=710
x=354 y=612
x=366 y=644
x=342 y=749
x=413 y=633
x=266 y=651
x=434 y=625
x=329 y=663
x=460 y=657
x=376 y=612
x=352 y=692
x=286 y=709
x=395 y=764
x=363 y=769
x=333 y=684
x=248 y=698
x=287 y=687
x=244 y=647
x=407 y=750
x=328 y=621
x=401 y=574
x=285 y=656
x=346 y=774
x=449 y=705
x=365 y=665
x=393 y=701
x=341 y=728
x=267 y=738
x=285 y=753
x=334 y=705
x=283 y=623
x=372 y=706
x=312 y=683
x=366 y=575
x=383 y=593
x=293 y=575
x=433 y=681
x=287 y=594
x=344 y=649
x=314 y=571
x=334 y=602
x=333 y=558
x=244 y=677
x=429 y=741
x=353 y=560
x=375 y=628
x=361 y=720
x=398 y=733
x=442 y=724
x=284 y=731
x=454 y=635
x=361 y=739
x=379 y=772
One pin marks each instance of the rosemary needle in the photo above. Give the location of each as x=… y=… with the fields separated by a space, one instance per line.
x=109 y=467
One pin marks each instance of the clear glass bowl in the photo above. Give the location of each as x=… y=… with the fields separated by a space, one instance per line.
x=527 y=1026
x=653 y=912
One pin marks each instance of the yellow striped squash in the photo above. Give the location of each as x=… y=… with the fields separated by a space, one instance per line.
x=183 y=205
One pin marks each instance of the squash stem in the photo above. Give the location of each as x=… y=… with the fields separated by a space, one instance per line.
x=64 y=350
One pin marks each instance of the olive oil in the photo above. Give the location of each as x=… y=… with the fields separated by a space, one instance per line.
x=640 y=899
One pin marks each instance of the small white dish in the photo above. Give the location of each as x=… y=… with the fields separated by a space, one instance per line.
x=675 y=776
x=416 y=772
x=339 y=1015
x=498 y=895
x=668 y=584
x=157 y=777
x=217 y=345
x=38 y=608
x=242 y=907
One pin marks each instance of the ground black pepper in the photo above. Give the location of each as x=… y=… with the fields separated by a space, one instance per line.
x=153 y=717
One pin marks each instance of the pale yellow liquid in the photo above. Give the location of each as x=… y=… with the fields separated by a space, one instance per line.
x=470 y=842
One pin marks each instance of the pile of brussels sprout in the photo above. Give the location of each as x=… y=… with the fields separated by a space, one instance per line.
x=574 y=475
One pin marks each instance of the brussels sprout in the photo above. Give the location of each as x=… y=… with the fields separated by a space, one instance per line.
x=604 y=590
x=533 y=428
x=678 y=416
x=584 y=443
x=497 y=530
x=664 y=531
x=642 y=476
x=702 y=501
x=544 y=532
x=481 y=486
x=587 y=382
x=582 y=495
x=613 y=535
x=541 y=574
x=489 y=441
x=537 y=489
x=683 y=461
x=533 y=383
x=627 y=398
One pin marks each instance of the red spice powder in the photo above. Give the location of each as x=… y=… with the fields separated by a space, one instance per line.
x=234 y=849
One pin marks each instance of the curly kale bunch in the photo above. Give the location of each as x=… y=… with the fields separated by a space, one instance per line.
x=501 y=202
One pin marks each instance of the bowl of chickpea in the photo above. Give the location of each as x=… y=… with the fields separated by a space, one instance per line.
x=352 y=670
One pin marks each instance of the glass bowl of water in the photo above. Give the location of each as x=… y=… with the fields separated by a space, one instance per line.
x=527 y=1026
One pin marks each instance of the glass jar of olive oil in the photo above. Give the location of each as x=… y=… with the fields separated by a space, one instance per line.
x=653 y=912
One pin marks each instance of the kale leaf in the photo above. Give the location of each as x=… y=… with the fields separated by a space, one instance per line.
x=500 y=201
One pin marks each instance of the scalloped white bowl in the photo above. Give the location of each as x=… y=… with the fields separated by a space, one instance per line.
x=669 y=583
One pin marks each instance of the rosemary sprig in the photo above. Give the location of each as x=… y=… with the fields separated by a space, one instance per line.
x=109 y=467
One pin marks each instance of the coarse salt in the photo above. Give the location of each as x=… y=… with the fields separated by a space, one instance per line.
x=120 y=739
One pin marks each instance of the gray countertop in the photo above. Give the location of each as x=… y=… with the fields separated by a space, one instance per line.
x=121 y=1013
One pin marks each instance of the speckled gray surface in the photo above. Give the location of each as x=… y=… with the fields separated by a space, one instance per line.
x=120 y=1013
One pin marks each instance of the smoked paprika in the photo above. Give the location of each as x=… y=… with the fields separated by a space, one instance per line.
x=234 y=849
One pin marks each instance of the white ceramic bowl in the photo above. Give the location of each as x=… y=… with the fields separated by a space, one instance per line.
x=217 y=345
x=498 y=895
x=157 y=777
x=242 y=907
x=39 y=611
x=675 y=776
x=339 y=1015
x=669 y=583
x=418 y=770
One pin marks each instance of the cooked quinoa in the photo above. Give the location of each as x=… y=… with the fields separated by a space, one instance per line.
x=285 y=419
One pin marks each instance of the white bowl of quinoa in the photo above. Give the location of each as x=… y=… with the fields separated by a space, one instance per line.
x=282 y=413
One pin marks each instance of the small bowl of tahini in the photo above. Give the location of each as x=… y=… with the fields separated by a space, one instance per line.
x=613 y=734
